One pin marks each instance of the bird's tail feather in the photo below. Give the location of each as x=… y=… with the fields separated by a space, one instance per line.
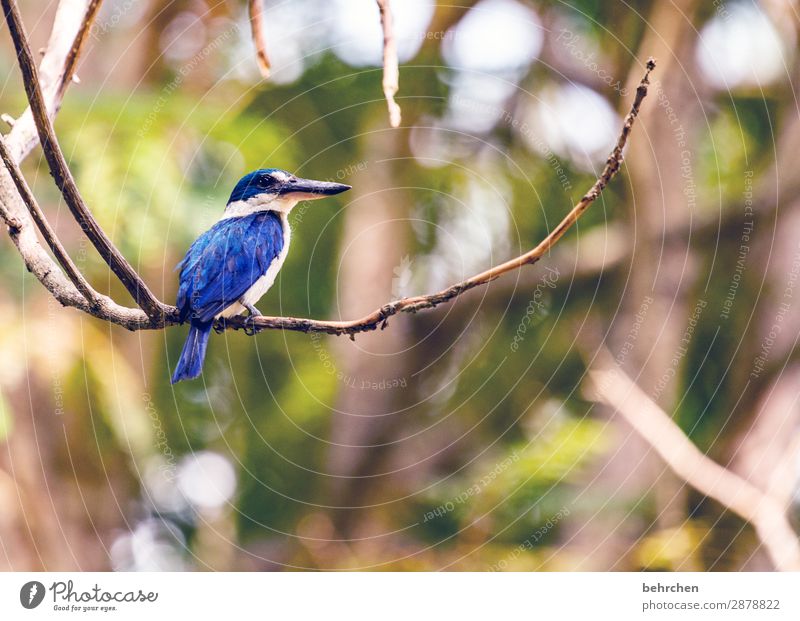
x=190 y=364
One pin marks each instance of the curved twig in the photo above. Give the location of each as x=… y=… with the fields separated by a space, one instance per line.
x=62 y=175
x=256 y=10
x=391 y=71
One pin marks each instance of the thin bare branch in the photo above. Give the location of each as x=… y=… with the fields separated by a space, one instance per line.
x=256 y=10
x=609 y=384
x=391 y=72
x=47 y=231
x=62 y=175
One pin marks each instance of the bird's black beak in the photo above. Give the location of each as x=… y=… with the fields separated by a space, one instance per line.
x=308 y=189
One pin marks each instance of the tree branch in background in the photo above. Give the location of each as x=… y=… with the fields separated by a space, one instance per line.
x=610 y=385
x=256 y=10
x=62 y=175
x=391 y=72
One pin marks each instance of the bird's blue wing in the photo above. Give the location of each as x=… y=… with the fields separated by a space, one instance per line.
x=225 y=261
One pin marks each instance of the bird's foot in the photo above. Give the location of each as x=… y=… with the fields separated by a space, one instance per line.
x=250 y=323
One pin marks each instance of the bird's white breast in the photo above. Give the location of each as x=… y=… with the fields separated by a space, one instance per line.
x=262 y=285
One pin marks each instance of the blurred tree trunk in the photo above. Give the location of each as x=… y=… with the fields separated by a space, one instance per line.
x=374 y=244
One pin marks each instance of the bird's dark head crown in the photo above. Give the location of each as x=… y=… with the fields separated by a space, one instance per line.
x=261 y=181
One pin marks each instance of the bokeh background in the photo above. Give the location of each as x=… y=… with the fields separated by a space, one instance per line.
x=460 y=438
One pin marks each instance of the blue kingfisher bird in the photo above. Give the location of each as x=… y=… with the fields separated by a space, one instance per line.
x=230 y=266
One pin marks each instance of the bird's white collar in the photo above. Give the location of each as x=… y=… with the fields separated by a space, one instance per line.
x=281 y=204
